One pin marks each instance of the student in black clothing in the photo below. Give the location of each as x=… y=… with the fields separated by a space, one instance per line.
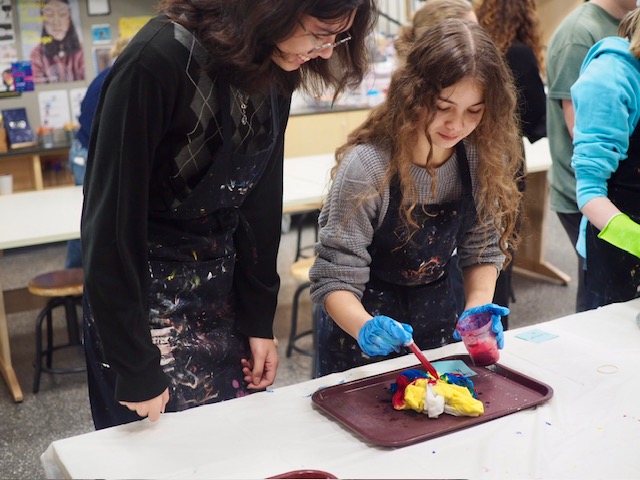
x=514 y=27
x=183 y=196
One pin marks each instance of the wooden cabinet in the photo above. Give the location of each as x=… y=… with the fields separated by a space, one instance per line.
x=37 y=168
x=317 y=133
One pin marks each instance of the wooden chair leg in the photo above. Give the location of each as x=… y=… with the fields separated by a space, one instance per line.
x=293 y=334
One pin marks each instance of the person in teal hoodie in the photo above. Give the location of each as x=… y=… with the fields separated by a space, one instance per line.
x=606 y=161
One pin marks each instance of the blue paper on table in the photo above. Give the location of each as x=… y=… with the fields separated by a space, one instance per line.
x=19 y=132
x=453 y=366
x=536 y=336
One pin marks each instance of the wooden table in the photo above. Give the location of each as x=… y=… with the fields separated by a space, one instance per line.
x=529 y=258
x=33 y=218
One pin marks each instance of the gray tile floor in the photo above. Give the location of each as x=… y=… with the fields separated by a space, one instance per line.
x=61 y=407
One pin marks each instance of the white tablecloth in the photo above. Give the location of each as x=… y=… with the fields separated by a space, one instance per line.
x=590 y=428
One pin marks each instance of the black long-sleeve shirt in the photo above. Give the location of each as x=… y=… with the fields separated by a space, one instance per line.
x=157 y=121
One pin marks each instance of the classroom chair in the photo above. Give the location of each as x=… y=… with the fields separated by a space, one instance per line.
x=64 y=288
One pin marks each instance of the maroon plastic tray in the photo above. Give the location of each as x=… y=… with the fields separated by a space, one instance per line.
x=365 y=406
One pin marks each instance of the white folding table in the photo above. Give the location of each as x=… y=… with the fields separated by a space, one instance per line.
x=588 y=429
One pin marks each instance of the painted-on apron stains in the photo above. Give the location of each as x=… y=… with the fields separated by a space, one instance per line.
x=192 y=253
x=621 y=281
x=409 y=280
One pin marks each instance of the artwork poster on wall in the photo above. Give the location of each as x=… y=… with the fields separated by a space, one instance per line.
x=52 y=40
x=8 y=55
x=101 y=33
x=8 y=50
x=76 y=95
x=7 y=31
x=22 y=76
x=54 y=109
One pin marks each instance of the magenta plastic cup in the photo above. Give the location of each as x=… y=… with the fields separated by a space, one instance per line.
x=479 y=339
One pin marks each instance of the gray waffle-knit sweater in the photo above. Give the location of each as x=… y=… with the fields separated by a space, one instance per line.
x=348 y=226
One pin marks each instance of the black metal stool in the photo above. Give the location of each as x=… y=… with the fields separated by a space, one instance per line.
x=65 y=288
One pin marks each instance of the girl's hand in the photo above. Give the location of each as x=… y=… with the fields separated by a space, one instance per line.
x=150 y=408
x=382 y=335
x=260 y=369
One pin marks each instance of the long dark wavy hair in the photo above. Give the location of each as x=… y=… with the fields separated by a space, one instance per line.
x=69 y=44
x=509 y=20
x=241 y=36
x=445 y=54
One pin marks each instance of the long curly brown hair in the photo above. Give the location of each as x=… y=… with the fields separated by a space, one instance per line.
x=241 y=36
x=509 y=20
x=447 y=53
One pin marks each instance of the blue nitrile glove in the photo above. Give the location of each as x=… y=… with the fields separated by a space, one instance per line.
x=382 y=335
x=496 y=311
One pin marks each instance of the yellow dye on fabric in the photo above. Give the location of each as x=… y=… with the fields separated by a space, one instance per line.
x=458 y=400
x=414 y=395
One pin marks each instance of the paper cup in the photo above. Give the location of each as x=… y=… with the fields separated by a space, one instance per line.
x=479 y=339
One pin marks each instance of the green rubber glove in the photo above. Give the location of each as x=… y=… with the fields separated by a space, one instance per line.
x=623 y=233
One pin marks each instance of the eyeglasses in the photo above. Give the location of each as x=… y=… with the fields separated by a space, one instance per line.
x=341 y=39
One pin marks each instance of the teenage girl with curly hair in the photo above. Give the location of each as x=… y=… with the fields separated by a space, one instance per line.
x=432 y=169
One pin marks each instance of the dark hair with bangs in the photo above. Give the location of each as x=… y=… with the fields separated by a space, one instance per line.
x=241 y=36
x=447 y=53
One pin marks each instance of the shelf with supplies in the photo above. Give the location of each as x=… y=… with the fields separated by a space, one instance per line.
x=37 y=168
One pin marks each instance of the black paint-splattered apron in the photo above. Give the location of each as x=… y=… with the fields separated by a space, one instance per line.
x=613 y=275
x=409 y=281
x=192 y=253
